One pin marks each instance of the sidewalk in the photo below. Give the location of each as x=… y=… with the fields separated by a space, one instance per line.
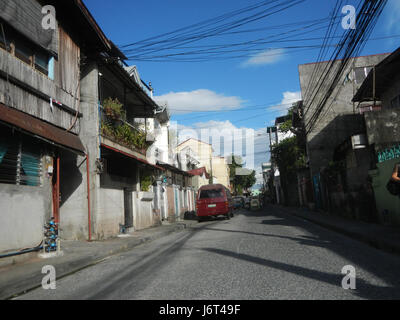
x=77 y=255
x=381 y=237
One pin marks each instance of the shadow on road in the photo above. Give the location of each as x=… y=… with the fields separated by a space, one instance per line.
x=159 y=256
x=303 y=240
x=364 y=289
x=332 y=241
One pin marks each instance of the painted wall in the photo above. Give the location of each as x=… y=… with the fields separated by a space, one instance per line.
x=202 y=150
x=23 y=212
x=221 y=171
x=110 y=213
x=388 y=206
x=143 y=210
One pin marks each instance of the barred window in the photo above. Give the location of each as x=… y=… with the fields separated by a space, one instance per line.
x=20 y=159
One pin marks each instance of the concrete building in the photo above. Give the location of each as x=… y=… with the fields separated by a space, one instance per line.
x=200 y=177
x=41 y=118
x=378 y=100
x=220 y=171
x=216 y=166
x=338 y=172
x=202 y=150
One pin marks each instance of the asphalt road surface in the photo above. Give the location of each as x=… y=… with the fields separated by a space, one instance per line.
x=256 y=255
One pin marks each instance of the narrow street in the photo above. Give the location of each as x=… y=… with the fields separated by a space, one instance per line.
x=256 y=255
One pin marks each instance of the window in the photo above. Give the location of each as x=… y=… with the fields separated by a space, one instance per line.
x=20 y=159
x=211 y=193
x=24 y=49
x=361 y=73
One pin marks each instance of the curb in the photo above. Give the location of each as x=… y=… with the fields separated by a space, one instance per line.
x=69 y=268
x=373 y=242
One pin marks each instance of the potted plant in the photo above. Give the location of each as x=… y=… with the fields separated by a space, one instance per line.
x=113 y=108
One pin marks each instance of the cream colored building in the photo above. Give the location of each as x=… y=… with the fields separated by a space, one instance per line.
x=217 y=166
x=202 y=150
x=220 y=170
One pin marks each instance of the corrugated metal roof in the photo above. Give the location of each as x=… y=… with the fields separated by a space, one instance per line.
x=40 y=128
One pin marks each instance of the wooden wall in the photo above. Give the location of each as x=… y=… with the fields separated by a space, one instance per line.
x=64 y=88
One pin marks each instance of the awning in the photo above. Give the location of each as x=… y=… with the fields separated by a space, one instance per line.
x=41 y=129
x=132 y=156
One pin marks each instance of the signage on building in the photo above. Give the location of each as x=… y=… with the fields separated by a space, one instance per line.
x=389 y=154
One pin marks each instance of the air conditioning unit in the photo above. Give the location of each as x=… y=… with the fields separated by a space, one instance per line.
x=359 y=141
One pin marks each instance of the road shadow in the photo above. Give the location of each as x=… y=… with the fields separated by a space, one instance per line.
x=162 y=255
x=303 y=240
x=363 y=289
x=364 y=256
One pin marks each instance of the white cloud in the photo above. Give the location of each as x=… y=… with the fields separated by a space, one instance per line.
x=198 y=101
x=259 y=145
x=393 y=13
x=288 y=99
x=268 y=56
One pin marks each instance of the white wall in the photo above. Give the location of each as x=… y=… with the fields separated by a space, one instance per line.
x=110 y=213
x=142 y=212
x=22 y=216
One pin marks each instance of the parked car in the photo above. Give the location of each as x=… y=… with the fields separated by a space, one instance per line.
x=238 y=202
x=255 y=204
x=214 y=200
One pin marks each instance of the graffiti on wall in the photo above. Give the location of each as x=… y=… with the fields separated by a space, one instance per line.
x=389 y=154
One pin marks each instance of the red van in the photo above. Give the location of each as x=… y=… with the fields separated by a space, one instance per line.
x=214 y=200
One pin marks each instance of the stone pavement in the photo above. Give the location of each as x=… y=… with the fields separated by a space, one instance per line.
x=77 y=255
x=385 y=238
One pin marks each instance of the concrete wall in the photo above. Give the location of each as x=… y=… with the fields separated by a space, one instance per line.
x=383 y=132
x=161 y=143
x=74 y=206
x=73 y=190
x=388 y=206
x=383 y=127
x=23 y=212
x=171 y=203
x=221 y=171
x=392 y=92
x=110 y=213
x=321 y=141
x=143 y=212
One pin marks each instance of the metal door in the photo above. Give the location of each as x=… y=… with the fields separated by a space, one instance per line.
x=128 y=208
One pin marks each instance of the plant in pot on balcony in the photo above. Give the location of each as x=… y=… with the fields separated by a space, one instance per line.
x=130 y=137
x=113 y=109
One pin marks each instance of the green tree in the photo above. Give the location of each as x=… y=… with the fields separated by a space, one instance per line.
x=240 y=181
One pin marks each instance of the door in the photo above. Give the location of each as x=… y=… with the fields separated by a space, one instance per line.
x=176 y=193
x=128 y=208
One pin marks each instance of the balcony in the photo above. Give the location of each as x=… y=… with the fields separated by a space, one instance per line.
x=115 y=127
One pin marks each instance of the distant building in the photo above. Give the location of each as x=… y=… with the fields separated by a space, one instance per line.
x=221 y=171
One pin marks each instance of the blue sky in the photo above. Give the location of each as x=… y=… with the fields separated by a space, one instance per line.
x=251 y=85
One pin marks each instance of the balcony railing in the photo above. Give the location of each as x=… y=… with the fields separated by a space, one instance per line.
x=115 y=127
